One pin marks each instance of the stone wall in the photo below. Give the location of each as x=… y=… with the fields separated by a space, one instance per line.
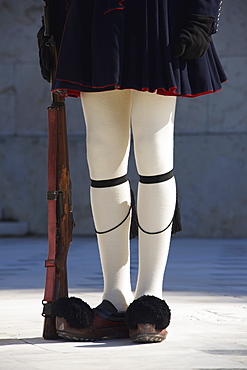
x=211 y=134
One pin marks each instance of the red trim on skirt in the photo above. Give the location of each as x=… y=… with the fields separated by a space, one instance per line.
x=120 y=4
x=160 y=91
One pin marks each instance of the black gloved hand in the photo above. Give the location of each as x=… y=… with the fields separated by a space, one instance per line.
x=57 y=16
x=194 y=39
x=46 y=60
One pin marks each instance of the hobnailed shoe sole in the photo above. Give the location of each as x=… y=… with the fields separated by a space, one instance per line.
x=147 y=333
x=71 y=337
x=93 y=333
x=74 y=337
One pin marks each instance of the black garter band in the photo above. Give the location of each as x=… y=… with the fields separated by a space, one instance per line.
x=111 y=183
x=176 y=222
x=108 y=183
x=156 y=179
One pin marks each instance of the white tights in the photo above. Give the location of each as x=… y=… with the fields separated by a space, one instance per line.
x=109 y=117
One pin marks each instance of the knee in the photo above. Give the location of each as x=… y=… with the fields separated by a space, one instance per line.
x=153 y=155
x=106 y=158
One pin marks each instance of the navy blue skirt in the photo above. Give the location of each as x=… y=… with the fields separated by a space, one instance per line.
x=110 y=44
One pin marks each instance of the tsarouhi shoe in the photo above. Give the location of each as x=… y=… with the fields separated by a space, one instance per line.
x=147 y=318
x=75 y=320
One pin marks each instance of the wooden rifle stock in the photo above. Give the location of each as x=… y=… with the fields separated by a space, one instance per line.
x=60 y=217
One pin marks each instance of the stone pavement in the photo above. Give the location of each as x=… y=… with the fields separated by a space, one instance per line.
x=205 y=286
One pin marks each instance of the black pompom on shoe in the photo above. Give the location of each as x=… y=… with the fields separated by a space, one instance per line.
x=147 y=318
x=77 y=313
x=75 y=320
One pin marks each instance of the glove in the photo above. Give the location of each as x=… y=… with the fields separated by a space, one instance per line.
x=194 y=39
x=46 y=61
x=58 y=12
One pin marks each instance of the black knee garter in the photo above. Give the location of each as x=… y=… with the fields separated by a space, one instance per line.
x=111 y=183
x=176 y=221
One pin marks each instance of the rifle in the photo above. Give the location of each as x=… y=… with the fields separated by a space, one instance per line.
x=60 y=217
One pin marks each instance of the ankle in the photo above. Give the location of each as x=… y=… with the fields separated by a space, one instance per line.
x=119 y=303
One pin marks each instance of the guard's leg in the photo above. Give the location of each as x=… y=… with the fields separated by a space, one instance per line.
x=107 y=116
x=153 y=128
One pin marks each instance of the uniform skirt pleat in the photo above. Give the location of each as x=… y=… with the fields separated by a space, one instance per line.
x=109 y=44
